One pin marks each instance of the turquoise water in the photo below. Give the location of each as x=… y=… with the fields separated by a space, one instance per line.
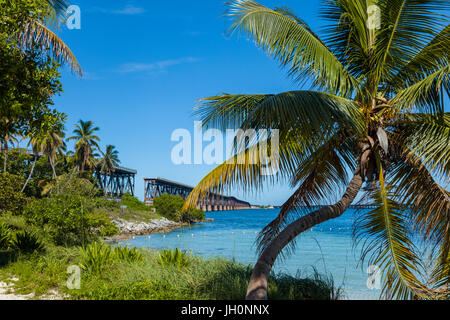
x=328 y=247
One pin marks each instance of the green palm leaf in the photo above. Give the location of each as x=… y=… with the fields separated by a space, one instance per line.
x=323 y=173
x=426 y=137
x=386 y=244
x=291 y=41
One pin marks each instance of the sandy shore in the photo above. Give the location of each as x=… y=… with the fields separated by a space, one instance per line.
x=7 y=292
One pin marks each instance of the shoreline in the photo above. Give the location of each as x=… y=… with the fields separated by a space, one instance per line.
x=129 y=229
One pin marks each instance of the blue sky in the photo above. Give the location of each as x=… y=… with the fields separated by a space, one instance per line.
x=147 y=63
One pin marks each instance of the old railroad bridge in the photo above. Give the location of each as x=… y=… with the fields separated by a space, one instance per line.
x=122 y=180
x=212 y=202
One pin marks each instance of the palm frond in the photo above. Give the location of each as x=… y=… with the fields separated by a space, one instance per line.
x=247 y=168
x=407 y=26
x=426 y=137
x=386 y=244
x=430 y=59
x=346 y=34
x=35 y=33
x=426 y=95
x=428 y=206
x=309 y=111
x=323 y=173
x=289 y=40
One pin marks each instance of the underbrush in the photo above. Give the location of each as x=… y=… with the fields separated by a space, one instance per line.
x=128 y=274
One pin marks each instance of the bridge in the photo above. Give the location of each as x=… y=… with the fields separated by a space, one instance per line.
x=354 y=207
x=116 y=183
x=155 y=187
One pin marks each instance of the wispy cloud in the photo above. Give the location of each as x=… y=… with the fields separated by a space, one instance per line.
x=127 y=10
x=134 y=67
x=130 y=10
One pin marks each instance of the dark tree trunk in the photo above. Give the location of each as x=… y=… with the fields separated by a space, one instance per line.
x=257 y=288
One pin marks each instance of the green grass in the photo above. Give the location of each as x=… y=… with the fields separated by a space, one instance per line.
x=147 y=279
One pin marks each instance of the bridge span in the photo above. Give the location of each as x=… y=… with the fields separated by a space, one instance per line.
x=154 y=187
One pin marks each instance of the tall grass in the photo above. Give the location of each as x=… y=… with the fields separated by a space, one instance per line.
x=108 y=275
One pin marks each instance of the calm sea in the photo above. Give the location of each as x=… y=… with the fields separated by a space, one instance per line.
x=329 y=247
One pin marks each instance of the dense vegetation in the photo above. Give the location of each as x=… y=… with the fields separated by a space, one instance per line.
x=121 y=273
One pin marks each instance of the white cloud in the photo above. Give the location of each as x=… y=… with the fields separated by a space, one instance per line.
x=130 y=10
x=133 y=67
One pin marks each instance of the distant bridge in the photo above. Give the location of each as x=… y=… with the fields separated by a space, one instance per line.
x=355 y=207
x=212 y=202
x=116 y=183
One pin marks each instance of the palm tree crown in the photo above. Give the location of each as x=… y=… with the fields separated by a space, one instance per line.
x=110 y=160
x=86 y=144
x=375 y=108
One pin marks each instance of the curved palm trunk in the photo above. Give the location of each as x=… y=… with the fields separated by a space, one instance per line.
x=30 y=175
x=257 y=288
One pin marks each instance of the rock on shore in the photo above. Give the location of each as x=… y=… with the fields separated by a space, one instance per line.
x=142 y=228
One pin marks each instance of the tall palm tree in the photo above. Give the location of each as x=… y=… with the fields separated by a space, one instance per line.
x=108 y=163
x=52 y=143
x=375 y=108
x=86 y=144
x=46 y=139
x=7 y=136
x=39 y=32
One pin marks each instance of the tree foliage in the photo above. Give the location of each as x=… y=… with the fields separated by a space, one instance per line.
x=375 y=107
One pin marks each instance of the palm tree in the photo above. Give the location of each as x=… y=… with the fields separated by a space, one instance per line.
x=8 y=131
x=47 y=139
x=51 y=144
x=39 y=32
x=85 y=145
x=375 y=108
x=35 y=148
x=110 y=159
x=108 y=163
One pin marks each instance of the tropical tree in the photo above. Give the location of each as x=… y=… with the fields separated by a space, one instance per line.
x=375 y=109
x=47 y=138
x=85 y=145
x=39 y=30
x=110 y=159
x=7 y=132
x=108 y=163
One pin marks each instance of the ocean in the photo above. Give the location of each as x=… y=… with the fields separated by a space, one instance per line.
x=328 y=248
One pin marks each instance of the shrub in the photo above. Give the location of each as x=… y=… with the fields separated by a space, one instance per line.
x=11 y=197
x=133 y=203
x=194 y=216
x=26 y=242
x=96 y=257
x=169 y=206
x=68 y=184
x=70 y=219
x=5 y=236
x=175 y=258
x=128 y=255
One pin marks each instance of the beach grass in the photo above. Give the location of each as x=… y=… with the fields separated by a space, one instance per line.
x=148 y=279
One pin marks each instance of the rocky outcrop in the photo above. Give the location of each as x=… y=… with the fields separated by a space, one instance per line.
x=141 y=228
